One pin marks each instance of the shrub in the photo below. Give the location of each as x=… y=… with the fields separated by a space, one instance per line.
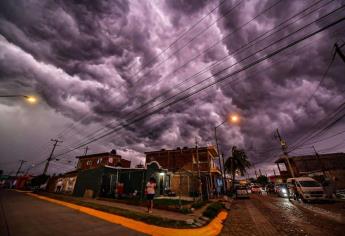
x=185 y=210
x=213 y=209
x=199 y=204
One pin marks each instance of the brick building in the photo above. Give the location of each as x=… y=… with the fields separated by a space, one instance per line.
x=331 y=165
x=182 y=167
x=102 y=159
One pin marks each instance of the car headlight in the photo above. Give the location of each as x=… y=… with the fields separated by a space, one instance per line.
x=284 y=190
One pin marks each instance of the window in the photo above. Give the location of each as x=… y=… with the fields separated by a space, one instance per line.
x=111 y=160
x=99 y=160
x=309 y=183
x=89 y=163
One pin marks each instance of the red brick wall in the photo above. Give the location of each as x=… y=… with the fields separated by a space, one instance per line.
x=98 y=161
x=174 y=160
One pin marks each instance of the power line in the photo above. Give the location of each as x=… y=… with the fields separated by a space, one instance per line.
x=226 y=77
x=180 y=36
x=233 y=53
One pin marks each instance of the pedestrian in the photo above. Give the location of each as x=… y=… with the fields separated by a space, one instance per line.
x=150 y=193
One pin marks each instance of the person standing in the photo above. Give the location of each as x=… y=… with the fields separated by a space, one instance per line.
x=150 y=193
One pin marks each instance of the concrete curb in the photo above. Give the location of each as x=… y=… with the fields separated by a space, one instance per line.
x=213 y=228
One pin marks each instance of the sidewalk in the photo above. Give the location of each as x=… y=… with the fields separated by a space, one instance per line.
x=213 y=228
x=141 y=209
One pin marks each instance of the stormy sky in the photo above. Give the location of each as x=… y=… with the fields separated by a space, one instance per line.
x=138 y=76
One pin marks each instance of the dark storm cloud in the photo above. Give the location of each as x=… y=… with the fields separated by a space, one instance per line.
x=102 y=59
x=272 y=99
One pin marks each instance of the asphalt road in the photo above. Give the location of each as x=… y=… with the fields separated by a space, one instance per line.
x=21 y=214
x=271 y=215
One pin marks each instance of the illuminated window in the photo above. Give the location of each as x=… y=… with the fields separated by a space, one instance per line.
x=89 y=163
x=111 y=160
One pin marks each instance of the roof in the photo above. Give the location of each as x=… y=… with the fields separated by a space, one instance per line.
x=97 y=155
x=70 y=173
x=185 y=149
x=312 y=157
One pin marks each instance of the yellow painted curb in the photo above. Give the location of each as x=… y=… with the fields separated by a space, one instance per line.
x=213 y=228
x=22 y=191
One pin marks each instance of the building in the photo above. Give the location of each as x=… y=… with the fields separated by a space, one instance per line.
x=184 y=164
x=331 y=165
x=102 y=159
x=103 y=181
x=63 y=183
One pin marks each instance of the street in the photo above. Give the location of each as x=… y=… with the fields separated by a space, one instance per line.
x=25 y=215
x=270 y=215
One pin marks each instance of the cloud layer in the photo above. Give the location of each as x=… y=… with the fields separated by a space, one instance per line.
x=93 y=62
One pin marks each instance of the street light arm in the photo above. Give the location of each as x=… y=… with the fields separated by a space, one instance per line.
x=220 y=124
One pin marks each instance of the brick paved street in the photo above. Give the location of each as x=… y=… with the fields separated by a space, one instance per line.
x=270 y=215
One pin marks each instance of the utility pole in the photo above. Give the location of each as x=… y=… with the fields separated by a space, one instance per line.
x=274 y=172
x=321 y=164
x=86 y=149
x=198 y=166
x=340 y=53
x=20 y=167
x=224 y=176
x=222 y=169
x=56 y=141
x=284 y=149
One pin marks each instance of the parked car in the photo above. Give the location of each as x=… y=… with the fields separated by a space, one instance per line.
x=281 y=190
x=305 y=188
x=242 y=192
x=256 y=189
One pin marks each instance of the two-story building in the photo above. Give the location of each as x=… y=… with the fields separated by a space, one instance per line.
x=184 y=165
x=102 y=159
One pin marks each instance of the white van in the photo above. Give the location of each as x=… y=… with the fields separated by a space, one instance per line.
x=305 y=188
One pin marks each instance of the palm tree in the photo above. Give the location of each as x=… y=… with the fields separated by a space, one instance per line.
x=238 y=162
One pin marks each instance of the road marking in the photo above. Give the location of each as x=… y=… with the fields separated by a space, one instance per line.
x=212 y=229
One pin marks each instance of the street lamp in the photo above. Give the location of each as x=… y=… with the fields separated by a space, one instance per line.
x=30 y=99
x=230 y=119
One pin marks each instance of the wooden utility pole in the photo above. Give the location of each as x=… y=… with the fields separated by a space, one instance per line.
x=86 y=149
x=20 y=167
x=56 y=141
x=319 y=160
x=198 y=167
x=284 y=149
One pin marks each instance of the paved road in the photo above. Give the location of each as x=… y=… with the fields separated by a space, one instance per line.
x=29 y=216
x=270 y=215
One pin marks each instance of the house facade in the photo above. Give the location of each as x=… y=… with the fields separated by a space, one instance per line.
x=101 y=159
x=330 y=166
x=184 y=165
x=104 y=181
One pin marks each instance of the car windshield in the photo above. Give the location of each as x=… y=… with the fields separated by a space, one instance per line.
x=309 y=183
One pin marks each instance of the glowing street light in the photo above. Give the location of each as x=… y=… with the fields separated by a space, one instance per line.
x=30 y=99
x=234 y=119
x=231 y=119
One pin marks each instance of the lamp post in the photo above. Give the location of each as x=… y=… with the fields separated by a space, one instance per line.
x=231 y=119
x=30 y=99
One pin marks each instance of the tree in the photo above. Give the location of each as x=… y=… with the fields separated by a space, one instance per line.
x=263 y=180
x=237 y=163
